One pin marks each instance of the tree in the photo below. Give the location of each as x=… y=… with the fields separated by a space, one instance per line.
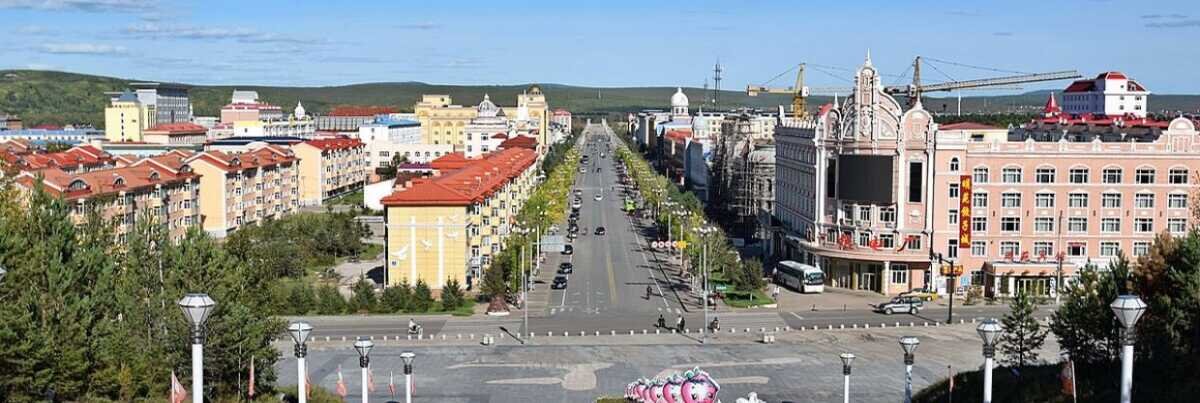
x=363 y=300
x=747 y=276
x=422 y=299
x=329 y=301
x=396 y=298
x=1084 y=325
x=1023 y=335
x=493 y=282
x=452 y=296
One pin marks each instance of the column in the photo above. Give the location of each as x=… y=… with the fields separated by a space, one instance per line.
x=885 y=277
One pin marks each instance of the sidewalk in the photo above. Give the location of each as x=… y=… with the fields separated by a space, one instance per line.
x=832 y=299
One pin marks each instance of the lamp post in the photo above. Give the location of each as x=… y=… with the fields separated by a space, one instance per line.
x=364 y=346
x=989 y=331
x=300 y=332
x=953 y=284
x=704 y=278
x=909 y=344
x=1129 y=309
x=408 y=356
x=524 y=281
x=847 y=359
x=196 y=308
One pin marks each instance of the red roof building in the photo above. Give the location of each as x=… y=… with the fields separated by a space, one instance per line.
x=356 y=110
x=967 y=126
x=526 y=142
x=470 y=184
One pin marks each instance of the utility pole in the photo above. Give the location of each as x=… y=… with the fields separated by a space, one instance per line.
x=717 y=84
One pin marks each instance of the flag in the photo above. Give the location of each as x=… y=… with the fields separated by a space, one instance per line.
x=251 y=389
x=178 y=393
x=307 y=384
x=370 y=380
x=392 y=383
x=1067 y=376
x=950 y=370
x=341 y=384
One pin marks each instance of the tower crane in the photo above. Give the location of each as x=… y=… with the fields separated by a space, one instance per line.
x=799 y=92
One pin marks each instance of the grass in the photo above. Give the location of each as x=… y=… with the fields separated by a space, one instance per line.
x=372 y=250
x=741 y=299
x=349 y=199
x=610 y=399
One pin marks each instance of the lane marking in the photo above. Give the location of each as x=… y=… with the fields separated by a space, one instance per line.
x=797 y=315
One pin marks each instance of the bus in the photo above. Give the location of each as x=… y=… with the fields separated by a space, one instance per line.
x=629 y=205
x=800 y=277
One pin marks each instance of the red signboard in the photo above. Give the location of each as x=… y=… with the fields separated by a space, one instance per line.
x=964 y=211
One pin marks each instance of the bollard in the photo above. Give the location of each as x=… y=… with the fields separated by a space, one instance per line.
x=656 y=331
x=937 y=324
x=613 y=333
x=566 y=334
x=883 y=325
x=910 y=324
x=787 y=328
x=960 y=321
x=581 y=333
x=472 y=336
x=866 y=325
x=897 y=324
x=460 y=336
x=831 y=327
x=372 y=338
x=762 y=329
x=687 y=331
x=925 y=324
x=597 y=332
x=631 y=332
x=443 y=337
x=972 y=320
x=732 y=330
x=842 y=326
x=776 y=328
x=385 y=337
x=410 y=337
x=854 y=326
x=644 y=331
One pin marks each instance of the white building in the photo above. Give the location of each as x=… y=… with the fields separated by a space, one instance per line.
x=1111 y=94
x=486 y=130
x=304 y=128
x=389 y=137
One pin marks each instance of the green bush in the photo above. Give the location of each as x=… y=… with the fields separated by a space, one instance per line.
x=363 y=300
x=422 y=300
x=452 y=296
x=329 y=301
x=396 y=298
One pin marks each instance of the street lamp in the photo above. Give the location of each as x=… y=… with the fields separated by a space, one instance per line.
x=364 y=346
x=989 y=331
x=300 y=332
x=408 y=356
x=847 y=359
x=909 y=344
x=196 y=308
x=524 y=280
x=952 y=286
x=704 y=231
x=1129 y=309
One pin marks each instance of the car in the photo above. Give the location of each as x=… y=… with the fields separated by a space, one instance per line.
x=598 y=197
x=566 y=268
x=568 y=249
x=924 y=294
x=599 y=230
x=559 y=283
x=582 y=170
x=578 y=192
x=576 y=205
x=909 y=304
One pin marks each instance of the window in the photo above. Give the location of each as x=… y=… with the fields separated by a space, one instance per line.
x=979 y=200
x=954 y=190
x=887 y=241
x=1010 y=224
x=1077 y=249
x=1011 y=175
x=1044 y=200
x=383 y=153
x=1043 y=224
x=952 y=217
x=1079 y=175
x=1110 y=224
x=1177 y=200
x=899 y=274
x=1143 y=200
x=1141 y=248
x=1177 y=225
x=915 y=175
x=864 y=213
x=864 y=238
x=1111 y=175
x=1077 y=224
x=914 y=242
x=952 y=249
x=1109 y=248
x=978 y=248
x=1177 y=176
x=980 y=175
x=1144 y=176
x=1043 y=249
x=1110 y=200
x=954 y=164
x=1045 y=175
x=1010 y=200
x=1077 y=200
x=887 y=214
x=1143 y=225
x=978 y=224
x=1010 y=249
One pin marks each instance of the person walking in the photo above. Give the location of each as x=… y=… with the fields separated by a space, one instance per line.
x=679 y=323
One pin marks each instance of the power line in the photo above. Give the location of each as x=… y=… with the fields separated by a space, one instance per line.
x=991 y=69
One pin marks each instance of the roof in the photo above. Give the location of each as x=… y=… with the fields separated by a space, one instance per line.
x=390 y=122
x=353 y=110
x=521 y=142
x=474 y=182
x=105 y=181
x=178 y=128
x=265 y=156
x=251 y=106
x=454 y=160
x=1112 y=75
x=561 y=112
x=675 y=134
x=1051 y=106
x=335 y=143
x=243 y=140
x=967 y=126
x=500 y=136
x=824 y=109
x=85 y=155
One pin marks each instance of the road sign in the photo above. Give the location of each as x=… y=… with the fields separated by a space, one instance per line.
x=721 y=287
x=553 y=243
x=680 y=244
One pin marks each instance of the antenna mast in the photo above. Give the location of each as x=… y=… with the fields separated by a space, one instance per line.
x=717 y=84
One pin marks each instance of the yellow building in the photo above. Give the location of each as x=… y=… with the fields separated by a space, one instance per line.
x=441 y=121
x=126 y=117
x=330 y=167
x=449 y=226
x=532 y=113
x=241 y=189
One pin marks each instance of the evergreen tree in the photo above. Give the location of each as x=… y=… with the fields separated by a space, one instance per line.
x=422 y=299
x=363 y=300
x=329 y=301
x=1023 y=335
x=396 y=298
x=452 y=296
x=1084 y=325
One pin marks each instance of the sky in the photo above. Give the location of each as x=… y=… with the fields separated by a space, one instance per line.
x=599 y=43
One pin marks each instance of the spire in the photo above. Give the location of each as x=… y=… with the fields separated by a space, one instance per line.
x=1052 y=107
x=868 y=61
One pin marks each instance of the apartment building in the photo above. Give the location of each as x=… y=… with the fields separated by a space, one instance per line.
x=126 y=117
x=240 y=189
x=176 y=133
x=21 y=155
x=450 y=226
x=330 y=167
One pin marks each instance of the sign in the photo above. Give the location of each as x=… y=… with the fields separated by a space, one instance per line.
x=952 y=270
x=553 y=243
x=721 y=287
x=964 y=211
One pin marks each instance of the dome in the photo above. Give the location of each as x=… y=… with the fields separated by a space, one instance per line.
x=299 y=112
x=679 y=99
x=487 y=108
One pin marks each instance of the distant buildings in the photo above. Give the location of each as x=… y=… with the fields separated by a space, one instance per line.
x=69 y=136
x=10 y=122
x=348 y=119
x=170 y=101
x=245 y=106
x=1110 y=93
x=239 y=189
x=126 y=117
x=176 y=133
x=330 y=167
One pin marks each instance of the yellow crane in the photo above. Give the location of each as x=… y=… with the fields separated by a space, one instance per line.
x=799 y=92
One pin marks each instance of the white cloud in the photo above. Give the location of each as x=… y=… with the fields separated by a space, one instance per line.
x=157 y=31
x=94 y=6
x=81 y=49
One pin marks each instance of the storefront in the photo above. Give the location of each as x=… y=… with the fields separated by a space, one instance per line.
x=1008 y=279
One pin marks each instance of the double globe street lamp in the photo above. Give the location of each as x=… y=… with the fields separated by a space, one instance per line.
x=300 y=332
x=1128 y=308
x=909 y=344
x=196 y=308
x=989 y=331
x=847 y=359
x=364 y=346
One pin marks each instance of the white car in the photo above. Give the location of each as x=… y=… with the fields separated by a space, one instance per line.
x=599 y=197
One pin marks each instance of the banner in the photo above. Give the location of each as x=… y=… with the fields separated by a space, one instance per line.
x=964 y=211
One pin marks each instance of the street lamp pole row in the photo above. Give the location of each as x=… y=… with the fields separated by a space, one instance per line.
x=300 y=331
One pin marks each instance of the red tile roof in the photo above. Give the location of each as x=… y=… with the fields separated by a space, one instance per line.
x=102 y=182
x=266 y=156
x=561 y=112
x=1081 y=86
x=451 y=161
x=678 y=134
x=521 y=142
x=474 y=182
x=335 y=143
x=85 y=155
x=1051 y=106
x=967 y=126
x=178 y=128
x=352 y=110
x=1112 y=75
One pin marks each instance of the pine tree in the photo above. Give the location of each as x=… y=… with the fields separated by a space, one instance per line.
x=396 y=298
x=452 y=296
x=363 y=300
x=1023 y=335
x=422 y=297
x=329 y=301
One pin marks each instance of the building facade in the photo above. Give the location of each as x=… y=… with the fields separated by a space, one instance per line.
x=176 y=133
x=330 y=167
x=442 y=122
x=239 y=189
x=1110 y=93
x=170 y=101
x=126 y=117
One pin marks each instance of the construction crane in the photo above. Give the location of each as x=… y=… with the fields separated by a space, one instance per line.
x=799 y=92
x=914 y=90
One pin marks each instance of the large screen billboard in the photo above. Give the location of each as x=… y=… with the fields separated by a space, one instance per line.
x=865 y=178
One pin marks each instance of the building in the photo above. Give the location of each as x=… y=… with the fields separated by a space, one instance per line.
x=245 y=106
x=144 y=149
x=484 y=132
x=385 y=136
x=1110 y=94
x=348 y=118
x=10 y=122
x=531 y=116
x=239 y=189
x=442 y=122
x=290 y=127
x=243 y=144
x=20 y=156
x=150 y=190
x=170 y=101
x=69 y=136
x=330 y=167
x=449 y=226
x=126 y=117
x=743 y=174
x=562 y=119
x=176 y=133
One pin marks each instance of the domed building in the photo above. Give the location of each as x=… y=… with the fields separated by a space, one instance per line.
x=679 y=103
x=486 y=130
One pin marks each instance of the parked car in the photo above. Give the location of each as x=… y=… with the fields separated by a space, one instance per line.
x=568 y=249
x=924 y=294
x=560 y=282
x=599 y=196
x=909 y=304
x=599 y=230
x=566 y=268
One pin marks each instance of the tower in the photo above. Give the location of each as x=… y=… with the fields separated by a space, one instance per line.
x=717 y=83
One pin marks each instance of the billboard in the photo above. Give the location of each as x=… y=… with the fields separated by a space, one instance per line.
x=964 y=211
x=865 y=178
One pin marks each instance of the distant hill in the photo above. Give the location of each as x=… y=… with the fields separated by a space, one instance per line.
x=53 y=97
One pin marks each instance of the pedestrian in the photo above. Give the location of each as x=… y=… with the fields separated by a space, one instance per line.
x=679 y=323
x=775 y=293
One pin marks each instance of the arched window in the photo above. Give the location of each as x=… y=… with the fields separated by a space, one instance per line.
x=154 y=175
x=954 y=164
x=77 y=184
x=119 y=182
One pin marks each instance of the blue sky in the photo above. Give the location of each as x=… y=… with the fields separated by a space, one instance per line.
x=603 y=43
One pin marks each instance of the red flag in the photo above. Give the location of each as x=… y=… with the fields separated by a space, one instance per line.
x=1067 y=376
x=307 y=384
x=251 y=390
x=178 y=393
x=392 y=384
x=341 y=384
x=370 y=380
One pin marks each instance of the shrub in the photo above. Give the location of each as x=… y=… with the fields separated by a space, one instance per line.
x=452 y=296
x=396 y=298
x=363 y=300
x=329 y=301
x=422 y=298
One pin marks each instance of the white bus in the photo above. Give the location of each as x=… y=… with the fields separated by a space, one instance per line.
x=800 y=277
